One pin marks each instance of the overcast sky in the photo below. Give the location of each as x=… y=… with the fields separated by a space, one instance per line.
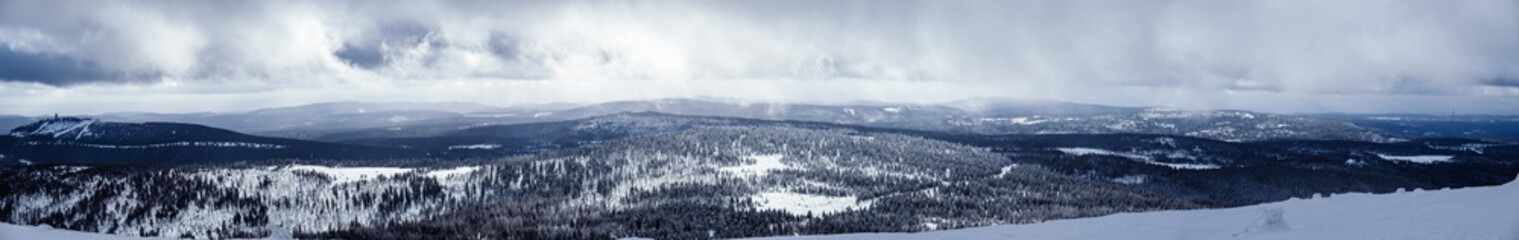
x=1277 y=56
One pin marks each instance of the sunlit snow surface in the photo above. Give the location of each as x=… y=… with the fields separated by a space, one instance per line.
x=1425 y=159
x=1470 y=213
x=802 y=204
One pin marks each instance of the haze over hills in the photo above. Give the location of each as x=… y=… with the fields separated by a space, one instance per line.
x=334 y=121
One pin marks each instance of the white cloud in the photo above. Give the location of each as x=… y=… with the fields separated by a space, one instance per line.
x=1204 y=54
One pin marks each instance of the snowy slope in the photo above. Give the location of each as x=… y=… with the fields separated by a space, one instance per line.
x=1470 y=213
x=19 y=232
x=22 y=232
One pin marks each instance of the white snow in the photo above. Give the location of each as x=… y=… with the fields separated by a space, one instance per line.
x=1025 y=121
x=1423 y=159
x=1093 y=151
x=445 y=174
x=1170 y=142
x=1470 y=147
x=1470 y=213
x=59 y=128
x=1132 y=179
x=1006 y=170
x=800 y=204
x=1137 y=157
x=171 y=144
x=1013 y=121
x=892 y=109
x=24 y=161
x=475 y=146
x=761 y=167
x=1186 y=166
x=342 y=175
x=19 y=232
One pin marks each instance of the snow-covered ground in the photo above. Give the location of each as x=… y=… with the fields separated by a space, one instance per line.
x=1425 y=159
x=58 y=128
x=171 y=144
x=780 y=199
x=19 y=232
x=342 y=175
x=761 y=167
x=442 y=175
x=1470 y=213
x=1137 y=157
x=802 y=204
x=475 y=147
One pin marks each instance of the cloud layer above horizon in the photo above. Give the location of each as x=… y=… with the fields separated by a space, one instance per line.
x=1204 y=54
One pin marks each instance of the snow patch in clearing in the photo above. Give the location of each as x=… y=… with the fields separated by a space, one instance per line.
x=1025 y=121
x=1137 y=157
x=800 y=204
x=1423 y=159
x=342 y=175
x=475 y=147
x=1186 y=166
x=761 y=167
x=445 y=174
x=1132 y=179
x=1094 y=151
x=1013 y=121
x=1006 y=170
x=892 y=109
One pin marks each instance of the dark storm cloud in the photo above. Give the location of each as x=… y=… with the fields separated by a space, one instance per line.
x=1503 y=82
x=44 y=68
x=368 y=51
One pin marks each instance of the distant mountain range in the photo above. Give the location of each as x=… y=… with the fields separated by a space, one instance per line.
x=72 y=140
x=983 y=116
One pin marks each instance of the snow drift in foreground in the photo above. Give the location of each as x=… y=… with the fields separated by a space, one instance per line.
x=1469 y=213
x=19 y=232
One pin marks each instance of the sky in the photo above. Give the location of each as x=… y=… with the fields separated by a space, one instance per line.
x=1291 y=56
